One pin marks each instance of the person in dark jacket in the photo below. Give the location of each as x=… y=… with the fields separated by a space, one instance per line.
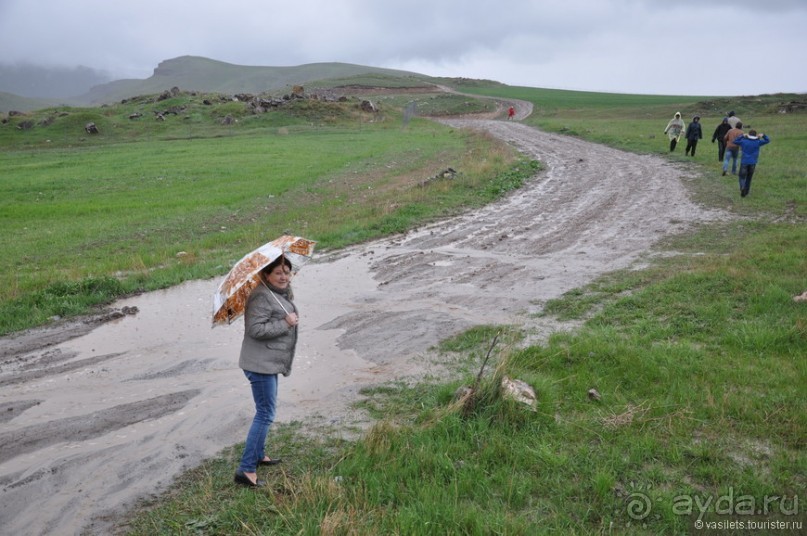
x=720 y=137
x=693 y=134
x=750 y=145
x=270 y=339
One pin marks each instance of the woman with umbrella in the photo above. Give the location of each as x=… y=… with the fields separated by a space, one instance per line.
x=270 y=338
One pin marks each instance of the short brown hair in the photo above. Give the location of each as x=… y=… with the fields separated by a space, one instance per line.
x=275 y=263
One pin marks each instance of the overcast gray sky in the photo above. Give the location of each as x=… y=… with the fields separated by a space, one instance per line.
x=682 y=47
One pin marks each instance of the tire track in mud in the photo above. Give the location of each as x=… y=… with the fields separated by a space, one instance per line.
x=593 y=210
x=44 y=368
x=91 y=425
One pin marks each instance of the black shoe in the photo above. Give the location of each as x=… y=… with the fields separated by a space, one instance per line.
x=241 y=478
x=724 y=172
x=270 y=461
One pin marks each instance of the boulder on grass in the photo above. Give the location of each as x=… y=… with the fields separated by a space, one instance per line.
x=520 y=391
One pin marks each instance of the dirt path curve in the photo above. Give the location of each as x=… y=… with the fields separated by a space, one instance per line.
x=89 y=425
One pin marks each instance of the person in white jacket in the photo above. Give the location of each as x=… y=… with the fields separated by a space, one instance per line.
x=674 y=130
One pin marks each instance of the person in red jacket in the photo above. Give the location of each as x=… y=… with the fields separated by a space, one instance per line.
x=511 y=112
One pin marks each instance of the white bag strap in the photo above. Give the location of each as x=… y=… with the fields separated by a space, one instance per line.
x=278 y=301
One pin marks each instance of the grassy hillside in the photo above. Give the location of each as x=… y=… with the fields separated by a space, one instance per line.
x=90 y=217
x=698 y=362
x=206 y=75
x=698 y=359
x=10 y=102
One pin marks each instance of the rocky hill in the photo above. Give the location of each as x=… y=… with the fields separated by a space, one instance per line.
x=206 y=75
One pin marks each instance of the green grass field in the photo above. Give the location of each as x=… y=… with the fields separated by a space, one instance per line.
x=700 y=359
x=146 y=204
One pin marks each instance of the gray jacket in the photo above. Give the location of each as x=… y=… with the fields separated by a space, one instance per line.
x=269 y=342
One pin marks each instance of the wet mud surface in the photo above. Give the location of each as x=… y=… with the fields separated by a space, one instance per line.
x=96 y=415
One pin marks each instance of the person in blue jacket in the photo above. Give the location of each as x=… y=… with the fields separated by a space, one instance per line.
x=750 y=145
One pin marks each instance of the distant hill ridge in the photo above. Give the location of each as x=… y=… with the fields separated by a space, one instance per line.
x=194 y=73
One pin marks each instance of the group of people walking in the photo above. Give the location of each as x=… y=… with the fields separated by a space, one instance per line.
x=730 y=138
x=693 y=133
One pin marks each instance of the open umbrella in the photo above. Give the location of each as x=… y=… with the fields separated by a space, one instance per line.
x=231 y=297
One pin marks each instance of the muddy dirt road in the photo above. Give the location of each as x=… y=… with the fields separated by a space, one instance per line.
x=91 y=424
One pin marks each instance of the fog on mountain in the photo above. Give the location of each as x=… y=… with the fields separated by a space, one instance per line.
x=49 y=82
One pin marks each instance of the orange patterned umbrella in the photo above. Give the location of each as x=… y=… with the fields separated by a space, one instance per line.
x=231 y=297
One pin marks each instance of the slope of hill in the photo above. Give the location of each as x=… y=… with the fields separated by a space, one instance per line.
x=193 y=73
x=11 y=102
x=202 y=74
x=53 y=82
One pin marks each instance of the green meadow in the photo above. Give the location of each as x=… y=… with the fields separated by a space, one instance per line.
x=146 y=204
x=699 y=360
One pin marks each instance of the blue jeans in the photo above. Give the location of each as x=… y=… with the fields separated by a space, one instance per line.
x=731 y=154
x=264 y=393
